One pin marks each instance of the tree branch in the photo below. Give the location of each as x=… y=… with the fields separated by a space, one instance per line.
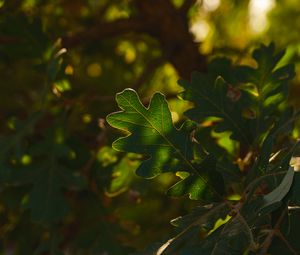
x=10 y=40
x=103 y=31
x=160 y=20
x=268 y=240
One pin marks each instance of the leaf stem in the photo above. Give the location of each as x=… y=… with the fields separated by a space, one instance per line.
x=268 y=240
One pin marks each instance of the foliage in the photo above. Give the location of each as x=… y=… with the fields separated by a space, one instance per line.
x=250 y=104
x=218 y=142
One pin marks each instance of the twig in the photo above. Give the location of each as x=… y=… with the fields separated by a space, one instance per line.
x=268 y=240
x=280 y=235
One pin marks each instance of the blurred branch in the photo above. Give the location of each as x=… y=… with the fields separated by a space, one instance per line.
x=103 y=31
x=92 y=97
x=160 y=20
x=9 y=40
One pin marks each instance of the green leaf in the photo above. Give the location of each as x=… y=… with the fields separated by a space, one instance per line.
x=295 y=194
x=262 y=162
x=190 y=225
x=46 y=199
x=152 y=133
x=194 y=186
x=46 y=202
x=235 y=238
x=50 y=177
x=266 y=151
x=122 y=176
x=275 y=197
x=202 y=216
x=270 y=83
x=212 y=99
x=197 y=187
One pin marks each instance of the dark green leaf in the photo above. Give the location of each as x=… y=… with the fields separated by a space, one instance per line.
x=46 y=200
x=190 y=225
x=295 y=190
x=152 y=133
x=195 y=186
x=212 y=98
x=270 y=85
x=275 y=197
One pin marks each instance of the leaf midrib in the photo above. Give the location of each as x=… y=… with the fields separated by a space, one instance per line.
x=172 y=145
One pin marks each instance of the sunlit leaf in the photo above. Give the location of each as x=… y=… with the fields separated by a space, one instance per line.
x=152 y=133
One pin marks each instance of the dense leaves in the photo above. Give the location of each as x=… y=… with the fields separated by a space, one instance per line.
x=217 y=100
x=268 y=186
x=219 y=147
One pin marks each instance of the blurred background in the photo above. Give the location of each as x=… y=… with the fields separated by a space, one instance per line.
x=61 y=64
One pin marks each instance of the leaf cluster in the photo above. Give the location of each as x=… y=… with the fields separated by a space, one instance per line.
x=232 y=154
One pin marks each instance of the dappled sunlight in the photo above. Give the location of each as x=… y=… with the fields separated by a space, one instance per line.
x=118 y=116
